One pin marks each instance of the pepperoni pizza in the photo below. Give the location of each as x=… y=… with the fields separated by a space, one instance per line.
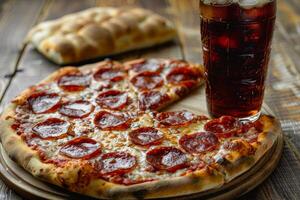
x=97 y=130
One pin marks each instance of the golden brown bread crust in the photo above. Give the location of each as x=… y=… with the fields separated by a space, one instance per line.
x=234 y=163
x=75 y=175
x=99 y=31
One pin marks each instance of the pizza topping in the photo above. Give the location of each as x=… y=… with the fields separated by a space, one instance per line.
x=167 y=158
x=146 y=136
x=250 y=130
x=176 y=118
x=234 y=145
x=76 y=109
x=178 y=63
x=84 y=148
x=152 y=100
x=52 y=128
x=223 y=127
x=142 y=65
x=194 y=166
x=109 y=74
x=104 y=85
x=240 y=146
x=109 y=121
x=112 y=99
x=247 y=126
x=182 y=91
x=199 y=142
x=16 y=126
x=147 y=81
x=74 y=82
x=43 y=102
x=183 y=76
x=116 y=163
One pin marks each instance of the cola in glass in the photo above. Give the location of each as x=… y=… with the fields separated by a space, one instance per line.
x=236 y=40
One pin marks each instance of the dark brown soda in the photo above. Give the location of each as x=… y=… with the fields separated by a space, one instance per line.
x=236 y=46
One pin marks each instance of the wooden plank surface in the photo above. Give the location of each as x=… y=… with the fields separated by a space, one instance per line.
x=34 y=66
x=282 y=94
x=14 y=26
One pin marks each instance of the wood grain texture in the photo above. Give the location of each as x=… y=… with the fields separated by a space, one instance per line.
x=34 y=66
x=186 y=16
x=282 y=94
x=13 y=28
x=169 y=50
x=284 y=77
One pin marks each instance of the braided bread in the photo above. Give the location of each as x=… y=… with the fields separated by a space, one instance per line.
x=99 y=31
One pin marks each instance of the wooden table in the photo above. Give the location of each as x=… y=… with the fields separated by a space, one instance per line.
x=21 y=66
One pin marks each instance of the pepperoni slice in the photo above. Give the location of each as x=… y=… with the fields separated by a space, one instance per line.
x=74 y=82
x=117 y=163
x=146 y=136
x=176 y=118
x=109 y=121
x=147 y=81
x=182 y=91
x=109 y=74
x=167 y=158
x=196 y=166
x=52 y=128
x=43 y=103
x=183 y=76
x=151 y=65
x=152 y=100
x=83 y=148
x=76 y=109
x=112 y=99
x=250 y=130
x=199 y=142
x=223 y=127
x=257 y=125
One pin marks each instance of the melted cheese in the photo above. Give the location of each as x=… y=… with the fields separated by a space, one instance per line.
x=111 y=141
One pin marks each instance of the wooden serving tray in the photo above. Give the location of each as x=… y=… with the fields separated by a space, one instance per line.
x=31 y=188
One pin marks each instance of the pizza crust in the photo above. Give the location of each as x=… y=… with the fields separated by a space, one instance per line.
x=99 y=31
x=18 y=150
x=235 y=163
x=73 y=178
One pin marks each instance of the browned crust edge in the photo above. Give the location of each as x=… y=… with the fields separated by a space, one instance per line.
x=60 y=55
x=265 y=141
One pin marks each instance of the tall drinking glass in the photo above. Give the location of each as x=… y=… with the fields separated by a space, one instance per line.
x=236 y=40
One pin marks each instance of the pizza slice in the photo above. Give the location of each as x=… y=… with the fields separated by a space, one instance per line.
x=160 y=82
x=225 y=144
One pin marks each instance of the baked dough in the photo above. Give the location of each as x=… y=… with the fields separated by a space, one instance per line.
x=76 y=174
x=99 y=31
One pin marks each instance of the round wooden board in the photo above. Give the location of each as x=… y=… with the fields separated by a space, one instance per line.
x=31 y=188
